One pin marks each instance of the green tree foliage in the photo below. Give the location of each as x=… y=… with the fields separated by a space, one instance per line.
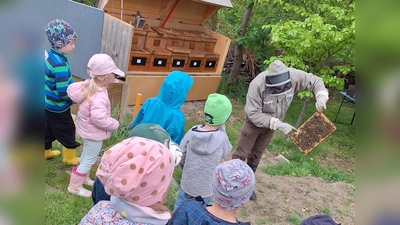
x=316 y=36
x=87 y=2
x=256 y=39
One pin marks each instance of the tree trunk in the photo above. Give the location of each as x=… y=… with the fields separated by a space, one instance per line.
x=212 y=23
x=236 y=65
x=303 y=111
x=239 y=47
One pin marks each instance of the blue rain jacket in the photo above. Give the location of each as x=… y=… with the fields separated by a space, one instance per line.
x=164 y=109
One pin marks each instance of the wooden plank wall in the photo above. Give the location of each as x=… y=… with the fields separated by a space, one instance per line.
x=116 y=40
x=222 y=48
x=149 y=86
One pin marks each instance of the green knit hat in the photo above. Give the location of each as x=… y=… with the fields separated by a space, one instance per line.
x=151 y=131
x=157 y=133
x=217 y=109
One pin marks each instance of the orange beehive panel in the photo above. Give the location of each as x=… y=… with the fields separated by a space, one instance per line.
x=139 y=61
x=174 y=42
x=312 y=132
x=138 y=39
x=195 y=61
x=192 y=40
x=178 y=61
x=138 y=42
x=210 y=62
x=207 y=42
x=207 y=46
x=160 y=60
x=174 y=38
x=155 y=40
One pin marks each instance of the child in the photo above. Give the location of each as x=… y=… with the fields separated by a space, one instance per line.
x=203 y=146
x=94 y=122
x=232 y=185
x=164 y=109
x=145 y=130
x=58 y=121
x=136 y=173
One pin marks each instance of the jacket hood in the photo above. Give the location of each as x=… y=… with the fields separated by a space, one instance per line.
x=175 y=88
x=75 y=93
x=205 y=142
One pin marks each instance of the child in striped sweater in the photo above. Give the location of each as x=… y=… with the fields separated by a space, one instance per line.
x=58 y=121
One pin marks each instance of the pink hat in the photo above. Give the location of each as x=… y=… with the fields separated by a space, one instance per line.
x=137 y=170
x=102 y=64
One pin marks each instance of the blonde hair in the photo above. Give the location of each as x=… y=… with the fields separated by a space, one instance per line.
x=91 y=87
x=159 y=207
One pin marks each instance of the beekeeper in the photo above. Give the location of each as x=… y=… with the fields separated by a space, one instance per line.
x=268 y=98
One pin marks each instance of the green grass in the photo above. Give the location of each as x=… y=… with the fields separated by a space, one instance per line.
x=293 y=219
x=343 y=212
x=171 y=196
x=64 y=208
x=237 y=91
x=301 y=166
x=339 y=146
x=325 y=211
x=60 y=206
x=121 y=133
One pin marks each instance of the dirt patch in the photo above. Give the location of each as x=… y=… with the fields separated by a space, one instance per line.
x=283 y=200
x=194 y=110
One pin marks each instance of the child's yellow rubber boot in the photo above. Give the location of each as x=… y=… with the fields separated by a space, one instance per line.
x=49 y=154
x=69 y=156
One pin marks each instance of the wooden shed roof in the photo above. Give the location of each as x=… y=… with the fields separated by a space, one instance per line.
x=196 y=12
x=222 y=3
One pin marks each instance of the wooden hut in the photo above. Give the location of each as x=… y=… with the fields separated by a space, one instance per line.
x=148 y=39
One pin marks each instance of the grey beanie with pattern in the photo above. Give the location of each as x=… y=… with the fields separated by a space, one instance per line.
x=233 y=183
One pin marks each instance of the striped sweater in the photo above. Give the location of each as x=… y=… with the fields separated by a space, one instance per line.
x=57 y=78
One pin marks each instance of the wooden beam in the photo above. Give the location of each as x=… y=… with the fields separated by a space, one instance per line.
x=210 y=11
x=166 y=5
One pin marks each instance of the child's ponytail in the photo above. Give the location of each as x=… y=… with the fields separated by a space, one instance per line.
x=89 y=88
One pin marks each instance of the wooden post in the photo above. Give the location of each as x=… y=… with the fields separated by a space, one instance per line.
x=137 y=105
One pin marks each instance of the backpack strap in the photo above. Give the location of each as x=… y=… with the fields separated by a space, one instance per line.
x=200 y=199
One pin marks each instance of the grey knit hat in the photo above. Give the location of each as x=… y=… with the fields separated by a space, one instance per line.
x=233 y=183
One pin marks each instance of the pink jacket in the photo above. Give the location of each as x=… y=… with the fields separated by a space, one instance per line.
x=94 y=121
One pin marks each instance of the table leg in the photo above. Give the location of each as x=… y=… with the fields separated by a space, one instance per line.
x=339 y=108
x=354 y=115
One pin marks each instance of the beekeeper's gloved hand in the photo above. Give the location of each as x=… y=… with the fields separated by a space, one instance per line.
x=322 y=98
x=284 y=127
